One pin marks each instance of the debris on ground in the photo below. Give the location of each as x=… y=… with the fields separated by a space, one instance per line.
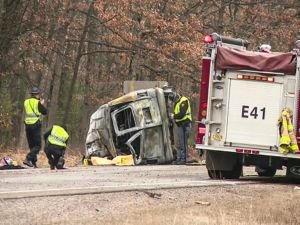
x=8 y=163
x=153 y=195
x=202 y=203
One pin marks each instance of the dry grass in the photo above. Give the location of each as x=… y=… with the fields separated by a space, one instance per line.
x=255 y=205
x=241 y=205
x=73 y=157
x=194 y=154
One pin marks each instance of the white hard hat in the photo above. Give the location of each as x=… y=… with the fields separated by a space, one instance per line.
x=265 y=48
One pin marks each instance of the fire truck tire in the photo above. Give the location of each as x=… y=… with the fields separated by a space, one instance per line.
x=215 y=174
x=267 y=172
x=235 y=173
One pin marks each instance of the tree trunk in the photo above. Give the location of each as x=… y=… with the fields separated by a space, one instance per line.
x=91 y=65
x=77 y=63
x=55 y=91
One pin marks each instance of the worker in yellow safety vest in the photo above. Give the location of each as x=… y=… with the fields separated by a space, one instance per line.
x=56 y=139
x=34 y=108
x=183 y=118
x=288 y=141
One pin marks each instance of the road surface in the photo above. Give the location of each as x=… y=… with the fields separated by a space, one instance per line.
x=148 y=195
x=99 y=179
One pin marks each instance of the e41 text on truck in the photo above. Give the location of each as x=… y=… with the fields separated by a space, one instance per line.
x=247 y=99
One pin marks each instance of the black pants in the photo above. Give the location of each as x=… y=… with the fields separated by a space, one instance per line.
x=55 y=155
x=33 y=134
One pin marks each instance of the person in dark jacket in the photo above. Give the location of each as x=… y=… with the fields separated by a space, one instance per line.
x=183 y=118
x=34 y=108
x=56 y=139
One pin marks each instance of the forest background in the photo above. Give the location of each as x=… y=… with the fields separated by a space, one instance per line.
x=79 y=52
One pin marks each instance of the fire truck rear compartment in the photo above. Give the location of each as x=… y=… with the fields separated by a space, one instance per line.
x=252 y=112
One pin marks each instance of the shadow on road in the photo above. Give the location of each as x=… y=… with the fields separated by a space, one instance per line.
x=271 y=180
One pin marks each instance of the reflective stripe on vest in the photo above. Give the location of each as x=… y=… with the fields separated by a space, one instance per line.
x=58 y=136
x=32 y=113
x=188 y=111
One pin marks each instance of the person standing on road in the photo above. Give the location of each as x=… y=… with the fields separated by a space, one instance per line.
x=56 y=139
x=34 y=108
x=183 y=118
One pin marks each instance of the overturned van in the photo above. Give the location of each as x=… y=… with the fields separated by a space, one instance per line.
x=137 y=124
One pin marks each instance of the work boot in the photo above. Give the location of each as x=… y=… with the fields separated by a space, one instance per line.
x=174 y=162
x=181 y=162
x=28 y=163
x=34 y=165
x=60 y=164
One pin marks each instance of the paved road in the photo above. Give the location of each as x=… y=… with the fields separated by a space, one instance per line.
x=88 y=180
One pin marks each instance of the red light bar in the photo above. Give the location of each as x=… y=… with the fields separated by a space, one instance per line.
x=239 y=150
x=247 y=151
x=208 y=39
x=258 y=78
x=255 y=152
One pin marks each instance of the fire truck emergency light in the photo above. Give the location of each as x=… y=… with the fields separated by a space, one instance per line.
x=208 y=39
x=258 y=78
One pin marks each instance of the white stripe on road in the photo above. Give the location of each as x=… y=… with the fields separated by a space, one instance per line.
x=119 y=188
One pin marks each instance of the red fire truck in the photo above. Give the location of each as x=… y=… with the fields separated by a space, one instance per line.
x=242 y=95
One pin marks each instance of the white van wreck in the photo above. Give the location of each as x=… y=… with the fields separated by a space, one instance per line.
x=135 y=124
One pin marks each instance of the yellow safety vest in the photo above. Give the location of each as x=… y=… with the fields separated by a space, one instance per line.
x=188 y=114
x=32 y=113
x=58 y=136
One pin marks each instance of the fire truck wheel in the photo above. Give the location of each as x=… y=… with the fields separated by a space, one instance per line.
x=215 y=174
x=235 y=173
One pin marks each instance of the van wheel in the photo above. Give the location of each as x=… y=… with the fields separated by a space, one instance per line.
x=266 y=172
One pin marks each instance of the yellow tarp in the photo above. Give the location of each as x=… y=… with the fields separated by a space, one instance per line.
x=121 y=160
